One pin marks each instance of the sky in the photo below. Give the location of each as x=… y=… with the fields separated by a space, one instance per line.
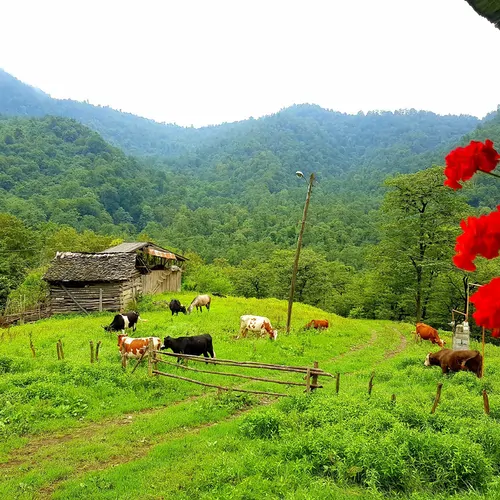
x=203 y=62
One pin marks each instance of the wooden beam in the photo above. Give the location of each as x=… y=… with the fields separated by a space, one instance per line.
x=73 y=299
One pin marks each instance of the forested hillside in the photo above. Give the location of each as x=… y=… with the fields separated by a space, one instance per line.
x=229 y=198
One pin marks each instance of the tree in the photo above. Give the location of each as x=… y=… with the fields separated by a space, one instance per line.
x=420 y=219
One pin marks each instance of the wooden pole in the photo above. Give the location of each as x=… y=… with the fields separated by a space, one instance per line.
x=314 y=381
x=308 y=381
x=58 y=347
x=217 y=386
x=370 y=384
x=297 y=254
x=393 y=398
x=486 y=402
x=61 y=348
x=438 y=397
x=97 y=347
x=227 y=374
x=32 y=347
x=248 y=364
x=337 y=383
x=150 y=357
x=141 y=358
x=91 y=351
x=100 y=299
x=482 y=364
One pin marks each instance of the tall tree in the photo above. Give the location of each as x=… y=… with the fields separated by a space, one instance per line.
x=420 y=221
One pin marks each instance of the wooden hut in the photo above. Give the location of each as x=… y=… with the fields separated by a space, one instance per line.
x=109 y=280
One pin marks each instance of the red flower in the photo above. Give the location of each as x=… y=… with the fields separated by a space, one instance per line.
x=463 y=163
x=481 y=236
x=487 y=302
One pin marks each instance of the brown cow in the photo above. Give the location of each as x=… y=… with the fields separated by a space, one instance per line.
x=455 y=361
x=426 y=332
x=317 y=324
x=131 y=347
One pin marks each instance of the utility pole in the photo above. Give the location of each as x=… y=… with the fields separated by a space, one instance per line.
x=297 y=252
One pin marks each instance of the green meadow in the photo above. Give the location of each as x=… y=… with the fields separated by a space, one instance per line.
x=74 y=429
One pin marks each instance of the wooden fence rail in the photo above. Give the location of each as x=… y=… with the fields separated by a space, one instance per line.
x=311 y=373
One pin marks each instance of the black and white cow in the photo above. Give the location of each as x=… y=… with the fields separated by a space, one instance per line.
x=194 y=346
x=176 y=307
x=123 y=321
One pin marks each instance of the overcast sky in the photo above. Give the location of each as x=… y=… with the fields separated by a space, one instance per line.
x=199 y=62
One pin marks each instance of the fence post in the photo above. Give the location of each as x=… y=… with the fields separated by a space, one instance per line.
x=438 y=397
x=315 y=377
x=337 y=383
x=370 y=384
x=32 y=347
x=61 y=347
x=308 y=380
x=58 y=347
x=97 y=350
x=486 y=402
x=91 y=351
x=393 y=399
x=150 y=357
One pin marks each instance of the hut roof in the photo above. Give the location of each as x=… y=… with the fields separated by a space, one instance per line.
x=490 y=9
x=147 y=247
x=82 y=267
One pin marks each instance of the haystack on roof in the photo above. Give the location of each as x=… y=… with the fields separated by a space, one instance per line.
x=490 y=9
x=88 y=267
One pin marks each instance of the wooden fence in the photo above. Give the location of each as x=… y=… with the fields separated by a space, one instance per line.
x=310 y=378
x=26 y=316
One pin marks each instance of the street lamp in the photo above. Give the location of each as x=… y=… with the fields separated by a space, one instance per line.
x=299 y=244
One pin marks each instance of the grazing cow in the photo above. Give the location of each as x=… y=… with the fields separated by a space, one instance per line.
x=426 y=332
x=455 y=361
x=131 y=347
x=199 y=301
x=123 y=321
x=317 y=324
x=258 y=324
x=176 y=307
x=194 y=346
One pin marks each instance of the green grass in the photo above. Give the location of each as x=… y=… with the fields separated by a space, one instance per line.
x=71 y=429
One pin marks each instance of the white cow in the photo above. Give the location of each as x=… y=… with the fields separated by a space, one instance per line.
x=259 y=324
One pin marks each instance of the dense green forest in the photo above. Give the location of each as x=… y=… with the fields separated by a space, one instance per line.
x=227 y=197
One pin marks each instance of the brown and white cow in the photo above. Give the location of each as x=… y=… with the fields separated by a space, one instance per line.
x=317 y=324
x=131 y=347
x=426 y=332
x=259 y=324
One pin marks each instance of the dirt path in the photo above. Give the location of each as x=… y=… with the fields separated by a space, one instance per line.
x=141 y=449
x=20 y=456
x=357 y=347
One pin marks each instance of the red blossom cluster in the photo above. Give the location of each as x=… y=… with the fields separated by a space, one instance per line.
x=463 y=163
x=481 y=235
x=487 y=302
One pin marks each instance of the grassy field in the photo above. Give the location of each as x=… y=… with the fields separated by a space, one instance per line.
x=72 y=429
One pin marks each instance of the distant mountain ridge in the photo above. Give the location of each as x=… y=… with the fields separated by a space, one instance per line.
x=143 y=137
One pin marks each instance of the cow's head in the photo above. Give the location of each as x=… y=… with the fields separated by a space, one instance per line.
x=167 y=343
x=183 y=309
x=427 y=361
x=273 y=335
x=441 y=343
x=107 y=328
x=121 y=338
